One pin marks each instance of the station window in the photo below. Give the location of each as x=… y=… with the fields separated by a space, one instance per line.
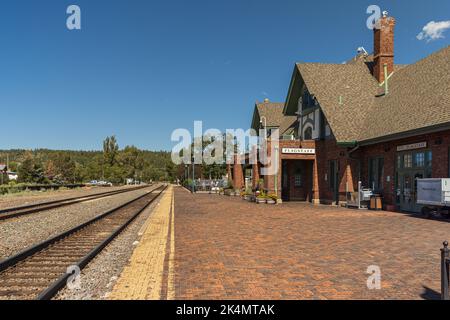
x=428 y=159
x=307 y=135
x=407 y=160
x=419 y=160
x=399 y=162
x=376 y=173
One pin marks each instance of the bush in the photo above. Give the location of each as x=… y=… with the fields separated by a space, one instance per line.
x=4 y=179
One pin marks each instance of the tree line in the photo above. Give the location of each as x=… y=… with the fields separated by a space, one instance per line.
x=115 y=165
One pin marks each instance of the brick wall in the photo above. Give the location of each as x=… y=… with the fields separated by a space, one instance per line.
x=355 y=167
x=384 y=47
x=438 y=143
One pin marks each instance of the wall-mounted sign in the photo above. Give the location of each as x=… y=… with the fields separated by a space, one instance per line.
x=298 y=151
x=413 y=146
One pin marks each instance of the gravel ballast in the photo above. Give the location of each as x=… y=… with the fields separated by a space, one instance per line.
x=20 y=233
x=34 y=197
x=101 y=274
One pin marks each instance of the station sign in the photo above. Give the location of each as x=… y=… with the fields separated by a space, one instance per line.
x=298 y=151
x=413 y=146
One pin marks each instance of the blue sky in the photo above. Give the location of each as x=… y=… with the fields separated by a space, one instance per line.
x=140 y=69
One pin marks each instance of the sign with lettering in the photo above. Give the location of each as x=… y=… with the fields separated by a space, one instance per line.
x=298 y=151
x=413 y=146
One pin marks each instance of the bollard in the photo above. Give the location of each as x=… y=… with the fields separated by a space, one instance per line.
x=444 y=272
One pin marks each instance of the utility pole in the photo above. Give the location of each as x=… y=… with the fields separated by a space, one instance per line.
x=193 y=166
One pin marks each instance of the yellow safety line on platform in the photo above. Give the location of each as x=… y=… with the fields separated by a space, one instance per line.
x=142 y=278
x=171 y=276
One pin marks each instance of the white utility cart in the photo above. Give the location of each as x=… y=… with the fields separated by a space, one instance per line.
x=434 y=195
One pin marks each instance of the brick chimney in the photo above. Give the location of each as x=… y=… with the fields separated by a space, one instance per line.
x=383 y=46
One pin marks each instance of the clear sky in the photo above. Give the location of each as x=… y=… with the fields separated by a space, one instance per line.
x=140 y=69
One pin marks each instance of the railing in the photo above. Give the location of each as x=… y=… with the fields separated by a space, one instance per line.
x=205 y=185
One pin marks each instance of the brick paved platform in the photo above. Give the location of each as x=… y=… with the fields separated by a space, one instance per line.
x=226 y=248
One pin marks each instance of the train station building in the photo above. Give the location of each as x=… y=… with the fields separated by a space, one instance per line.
x=367 y=120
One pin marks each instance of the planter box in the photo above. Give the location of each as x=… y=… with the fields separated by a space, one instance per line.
x=260 y=200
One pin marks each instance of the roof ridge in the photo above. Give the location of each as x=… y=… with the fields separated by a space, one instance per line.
x=407 y=67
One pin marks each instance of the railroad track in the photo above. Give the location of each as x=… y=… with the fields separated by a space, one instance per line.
x=41 y=271
x=44 y=206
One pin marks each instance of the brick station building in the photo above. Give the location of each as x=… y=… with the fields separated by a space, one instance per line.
x=343 y=123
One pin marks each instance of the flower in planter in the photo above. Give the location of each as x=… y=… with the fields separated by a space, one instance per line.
x=272 y=198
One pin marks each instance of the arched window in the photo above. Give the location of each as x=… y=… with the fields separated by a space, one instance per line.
x=307 y=133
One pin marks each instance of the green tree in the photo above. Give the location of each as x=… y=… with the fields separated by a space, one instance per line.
x=132 y=161
x=31 y=170
x=110 y=150
x=64 y=167
x=3 y=178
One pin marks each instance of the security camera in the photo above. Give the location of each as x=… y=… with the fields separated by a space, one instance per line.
x=362 y=50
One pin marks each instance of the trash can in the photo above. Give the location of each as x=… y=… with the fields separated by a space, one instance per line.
x=376 y=202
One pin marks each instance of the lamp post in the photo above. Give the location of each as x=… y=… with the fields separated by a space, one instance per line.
x=193 y=176
x=193 y=171
x=276 y=170
x=263 y=123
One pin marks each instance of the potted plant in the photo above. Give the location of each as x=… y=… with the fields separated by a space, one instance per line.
x=260 y=197
x=271 y=199
x=249 y=195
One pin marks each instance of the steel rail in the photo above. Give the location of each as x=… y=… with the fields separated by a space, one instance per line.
x=44 y=206
x=54 y=287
